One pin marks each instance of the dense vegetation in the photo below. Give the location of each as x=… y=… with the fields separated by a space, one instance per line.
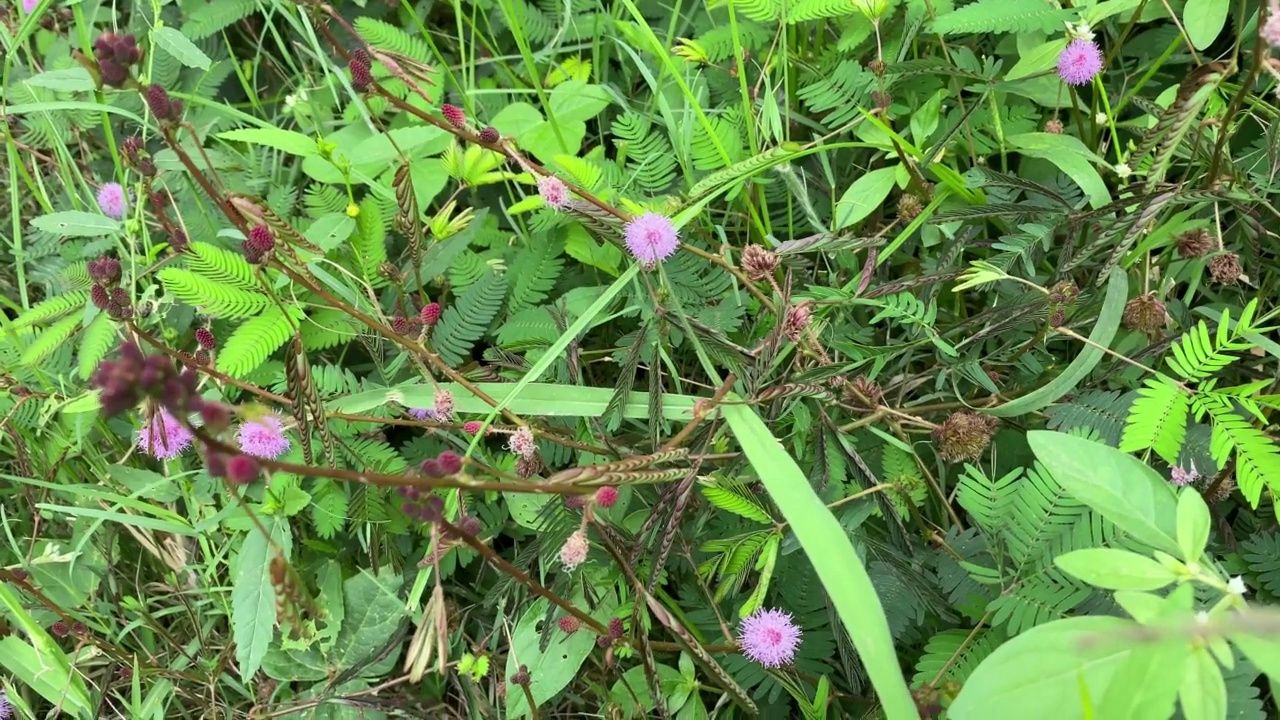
x=524 y=358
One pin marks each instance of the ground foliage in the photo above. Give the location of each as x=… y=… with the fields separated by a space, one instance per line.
x=961 y=366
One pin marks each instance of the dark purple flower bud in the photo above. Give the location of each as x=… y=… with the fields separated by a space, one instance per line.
x=242 y=469
x=98 y=295
x=204 y=337
x=450 y=463
x=490 y=135
x=431 y=468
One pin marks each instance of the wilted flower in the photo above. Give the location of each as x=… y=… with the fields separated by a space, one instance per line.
x=111 y=200
x=443 y=405
x=164 y=437
x=1225 y=268
x=263 y=437
x=963 y=436
x=651 y=238
x=1195 y=243
x=769 y=637
x=1053 y=126
x=758 y=262
x=6 y=707
x=1079 y=62
x=795 y=321
x=1146 y=314
x=1271 y=30
x=574 y=551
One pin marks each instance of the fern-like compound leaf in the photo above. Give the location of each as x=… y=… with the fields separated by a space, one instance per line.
x=1158 y=420
x=212 y=297
x=256 y=339
x=737 y=502
x=97 y=341
x=1002 y=16
x=465 y=321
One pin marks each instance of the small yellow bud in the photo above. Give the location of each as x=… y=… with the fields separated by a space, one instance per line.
x=353 y=210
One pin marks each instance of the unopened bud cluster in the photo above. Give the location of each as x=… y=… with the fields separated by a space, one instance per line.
x=116 y=55
x=106 y=293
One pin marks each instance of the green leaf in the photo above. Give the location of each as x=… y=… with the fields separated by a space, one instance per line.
x=864 y=196
x=1037 y=60
x=1044 y=672
x=180 y=47
x=1117 y=486
x=253 y=342
x=1194 y=524
x=50 y=340
x=1146 y=686
x=465 y=321
x=1203 y=694
x=331 y=230
x=1115 y=569
x=1071 y=156
x=286 y=141
x=996 y=16
x=76 y=79
x=253 y=599
x=675 y=692
x=543 y=399
x=73 y=223
x=580 y=246
x=1101 y=336
x=373 y=611
x=551 y=667
x=577 y=101
x=1204 y=20
x=827 y=546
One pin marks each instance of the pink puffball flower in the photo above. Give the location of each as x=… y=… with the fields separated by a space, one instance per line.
x=521 y=442
x=111 y=200
x=574 y=551
x=1271 y=30
x=651 y=238
x=263 y=437
x=163 y=437
x=29 y=6
x=1079 y=62
x=554 y=192
x=1181 y=477
x=769 y=637
x=422 y=413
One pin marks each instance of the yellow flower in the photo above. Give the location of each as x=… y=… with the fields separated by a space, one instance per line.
x=353 y=210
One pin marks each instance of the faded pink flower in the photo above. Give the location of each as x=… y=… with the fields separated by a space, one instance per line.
x=163 y=437
x=1181 y=477
x=443 y=409
x=111 y=200
x=574 y=551
x=521 y=442
x=1271 y=30
x=769 y=637
x=1079 y=62
x=29 y=6
x=553 y=191
x=651 y=238
x=422 y=413
x=263 y=437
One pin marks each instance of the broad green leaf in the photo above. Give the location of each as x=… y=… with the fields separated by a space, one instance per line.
x=1262 y=651
x=1071 y=156
x=579 y=245
x=332 y=230
x=1115 y=569
x=395 y=145
x=1044 y=672
x=1146 y=685
x=1119 y=487
x=1194 y=524
x=833 y=558
x=253 y=599
x=550 y=668
x=180 y=47
x=75 y=79
x=577 y=101
x=74 y=223
x=1204 y=20
x=1104 y=331
x=675 y=692
x=525 y=508
x=286 y=141
x=373 y=611
x=862 y=198
x=1203 y=695
x=1037 y=60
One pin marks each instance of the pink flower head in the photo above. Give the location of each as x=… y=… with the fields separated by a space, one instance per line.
x=554 y=192
x=1079 y=62
x=263 y=437
x=574 y=551
x=111 y=200
x=29 y=6
x=1271 y=31
x=164 y=437
x=1181 y=477
x=651 y=238
x=422 y=413
x=521 y=442
x=769 y=637
x=443 y=409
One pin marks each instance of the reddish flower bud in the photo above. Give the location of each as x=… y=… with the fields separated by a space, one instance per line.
x=569 y=624
x=606 y=497
x=242 y=469
x=471 y=427
x=99 y=296
x=450 y=462
x=205 y=338
x=490 y=135
x=430 y=314
x=454 y=115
